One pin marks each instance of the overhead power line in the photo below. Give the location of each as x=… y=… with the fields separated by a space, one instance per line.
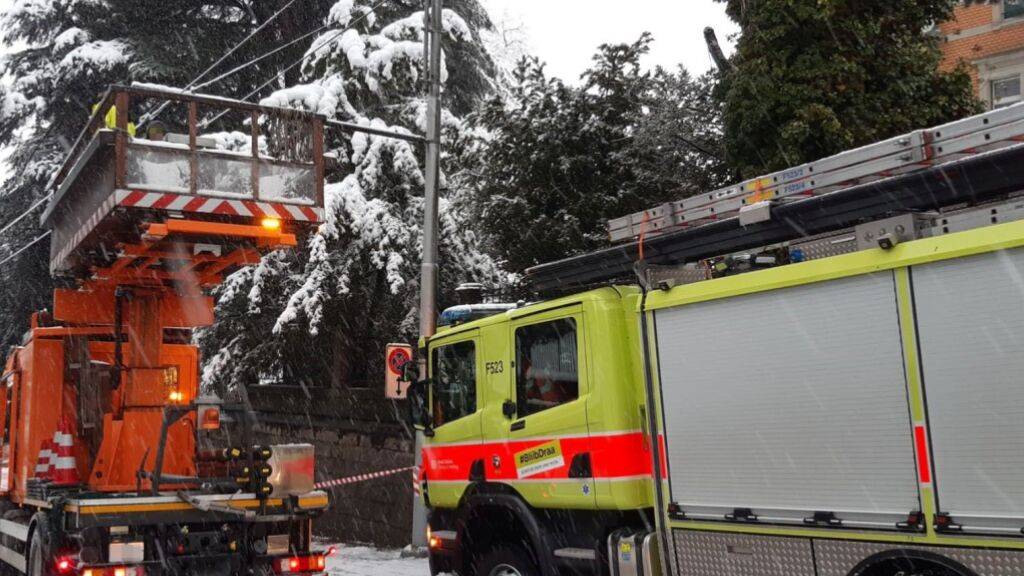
x=278 y=73
x=25 y=213
x=159 y=110
x=238 y=46
x=260 y=58
x=25 y=247
x=330 y=39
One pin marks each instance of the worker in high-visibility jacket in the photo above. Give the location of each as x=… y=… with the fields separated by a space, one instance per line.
x=110 y=120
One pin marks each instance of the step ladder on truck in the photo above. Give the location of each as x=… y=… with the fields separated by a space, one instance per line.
x=814 y=373
x=113 y=463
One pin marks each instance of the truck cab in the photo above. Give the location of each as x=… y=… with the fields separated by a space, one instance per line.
x=539 y=411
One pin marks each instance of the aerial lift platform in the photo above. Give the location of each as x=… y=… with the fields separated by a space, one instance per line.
x=114 y=463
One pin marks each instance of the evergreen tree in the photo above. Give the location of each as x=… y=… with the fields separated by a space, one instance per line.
x=323 y=316
x=553 y=163
x=815 y=77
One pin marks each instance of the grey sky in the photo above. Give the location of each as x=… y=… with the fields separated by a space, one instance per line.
x=566 y=33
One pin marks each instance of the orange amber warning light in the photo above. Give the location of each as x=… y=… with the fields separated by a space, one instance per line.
x=271 y=223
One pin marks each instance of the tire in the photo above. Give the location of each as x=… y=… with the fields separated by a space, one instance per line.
x=900 y=563
x=506 y=560
x=40 y=549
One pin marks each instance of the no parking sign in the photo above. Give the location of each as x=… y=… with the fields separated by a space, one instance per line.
x=397 y=356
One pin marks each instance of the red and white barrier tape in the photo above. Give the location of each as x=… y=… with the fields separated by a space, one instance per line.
x=365 y=477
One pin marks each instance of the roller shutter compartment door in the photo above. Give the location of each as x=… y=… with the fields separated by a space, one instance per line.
x=789 y=403
x=970 y=315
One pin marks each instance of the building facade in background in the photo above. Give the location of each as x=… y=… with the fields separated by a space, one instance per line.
x=989 y=38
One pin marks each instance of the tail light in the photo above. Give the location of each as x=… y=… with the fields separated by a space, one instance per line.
x=305 y=564
x=115 y=571
x=65 y=565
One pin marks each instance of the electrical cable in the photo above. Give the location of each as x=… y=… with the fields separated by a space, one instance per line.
x=313 y=50
x=155 y=113
x=258 y=59
x=26 y=213
x=229 y=53
x=25 y=247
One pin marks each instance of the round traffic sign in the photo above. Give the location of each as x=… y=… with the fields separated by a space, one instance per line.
x=397 y=358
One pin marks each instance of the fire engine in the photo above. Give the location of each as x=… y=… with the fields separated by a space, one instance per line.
x=812 y=373
x=113 y=462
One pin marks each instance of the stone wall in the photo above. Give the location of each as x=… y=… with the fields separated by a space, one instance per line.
x=355 y=431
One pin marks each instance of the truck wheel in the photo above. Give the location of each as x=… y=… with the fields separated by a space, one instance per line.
x=40 y=556
x=506 y=560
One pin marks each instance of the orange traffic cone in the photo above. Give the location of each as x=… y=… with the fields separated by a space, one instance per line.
x=65 y=472
x=46 y=456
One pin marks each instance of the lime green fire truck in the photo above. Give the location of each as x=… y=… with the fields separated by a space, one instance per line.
x=815 y=373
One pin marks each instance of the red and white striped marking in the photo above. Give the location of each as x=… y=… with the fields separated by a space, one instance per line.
x=45 y=461
x=362 y=478
x=65 y=470
x=223 y=206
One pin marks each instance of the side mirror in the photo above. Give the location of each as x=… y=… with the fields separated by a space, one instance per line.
x=419 y=407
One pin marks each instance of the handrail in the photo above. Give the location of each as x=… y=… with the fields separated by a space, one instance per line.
x=84 y=136
x=152 y=92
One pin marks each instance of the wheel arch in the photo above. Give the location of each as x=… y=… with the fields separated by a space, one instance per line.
x=892 y=557
x=481 y=497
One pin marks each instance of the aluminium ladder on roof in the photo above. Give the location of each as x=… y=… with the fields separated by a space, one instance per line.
x=904 y=154
x=970 y=181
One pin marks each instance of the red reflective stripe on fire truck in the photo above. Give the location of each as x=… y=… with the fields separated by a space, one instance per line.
x=924 y=466
x=612 y=456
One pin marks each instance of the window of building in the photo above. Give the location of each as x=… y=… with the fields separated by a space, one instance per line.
x=1013 y=9
x=546 y=369
x=454 y=368
x=1006 y=91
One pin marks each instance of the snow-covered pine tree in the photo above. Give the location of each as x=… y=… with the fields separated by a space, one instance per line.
x=551 y=162
x=66 y=52
x=322 y=317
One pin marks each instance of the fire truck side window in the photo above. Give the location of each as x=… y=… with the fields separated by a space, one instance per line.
x=454 y=382
x=546 y=368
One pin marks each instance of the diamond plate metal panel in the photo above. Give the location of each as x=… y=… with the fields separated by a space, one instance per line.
x=839 y=557
x=714 y=554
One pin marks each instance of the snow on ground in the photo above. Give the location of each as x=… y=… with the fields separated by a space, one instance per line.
x=363 y=561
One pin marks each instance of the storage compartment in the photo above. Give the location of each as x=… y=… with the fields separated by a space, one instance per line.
x=970 y=315
x=789 y=406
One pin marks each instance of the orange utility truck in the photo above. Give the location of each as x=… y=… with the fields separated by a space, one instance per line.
x=113 y=462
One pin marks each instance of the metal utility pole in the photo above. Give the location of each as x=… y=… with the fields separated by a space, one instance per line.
x=428 y=269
